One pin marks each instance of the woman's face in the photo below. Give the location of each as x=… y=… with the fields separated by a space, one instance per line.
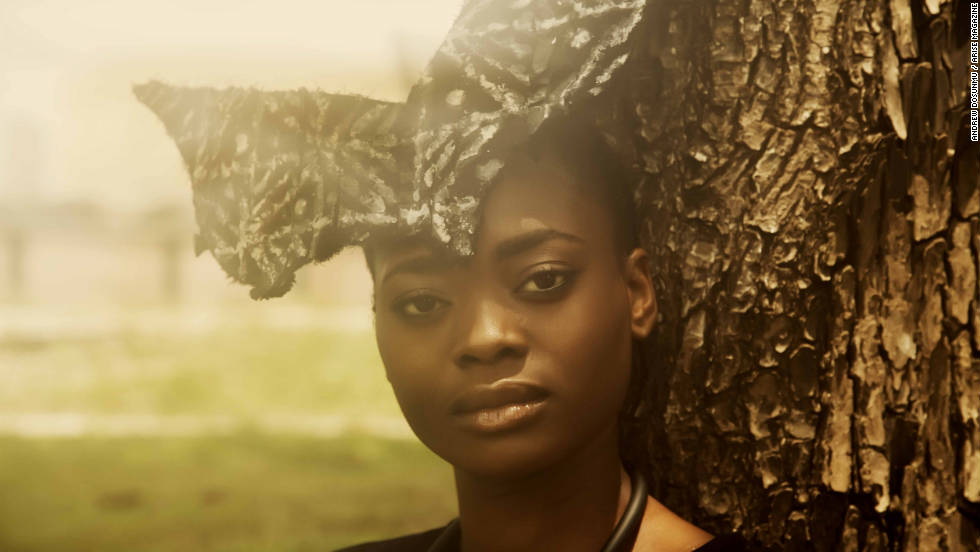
x=508 y=361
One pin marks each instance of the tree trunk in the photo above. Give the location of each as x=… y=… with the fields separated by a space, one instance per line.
x=812 y=192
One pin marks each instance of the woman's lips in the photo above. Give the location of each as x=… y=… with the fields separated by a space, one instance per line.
x=498 y=407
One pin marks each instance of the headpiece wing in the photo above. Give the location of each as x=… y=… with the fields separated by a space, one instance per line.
x=281 y=179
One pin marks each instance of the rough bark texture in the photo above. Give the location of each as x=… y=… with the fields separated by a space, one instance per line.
x=813 y=205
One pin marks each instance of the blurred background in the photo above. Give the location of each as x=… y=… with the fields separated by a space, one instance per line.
x=146 y=403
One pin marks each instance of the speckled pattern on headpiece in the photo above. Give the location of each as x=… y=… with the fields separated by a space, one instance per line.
x=282 y=179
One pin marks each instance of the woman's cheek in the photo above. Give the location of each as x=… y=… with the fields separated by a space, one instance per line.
x=411 y=371
x=596 y=341
x=397 y=357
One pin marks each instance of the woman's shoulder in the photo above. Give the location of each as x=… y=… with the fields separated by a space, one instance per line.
x=664 y=531
x=408 y=543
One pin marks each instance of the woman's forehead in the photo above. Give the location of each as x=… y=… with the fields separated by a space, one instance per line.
x=533 y=203
x=384 y=253
x=536 y=195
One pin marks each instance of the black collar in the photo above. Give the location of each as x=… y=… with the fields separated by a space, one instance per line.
x=621 y=539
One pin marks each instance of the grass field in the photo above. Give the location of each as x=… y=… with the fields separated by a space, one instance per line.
x=240 y=372
x=237 y=491
x=231 y=493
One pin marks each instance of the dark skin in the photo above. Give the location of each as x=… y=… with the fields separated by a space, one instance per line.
x=513 y=364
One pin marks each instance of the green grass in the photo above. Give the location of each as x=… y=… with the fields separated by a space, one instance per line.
x=240 y=492
x=238 y=373
x=244 y=492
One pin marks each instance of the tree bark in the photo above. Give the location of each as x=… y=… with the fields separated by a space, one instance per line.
x=811 y=192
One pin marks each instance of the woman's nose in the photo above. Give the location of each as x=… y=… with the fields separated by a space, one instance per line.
x=488 y=333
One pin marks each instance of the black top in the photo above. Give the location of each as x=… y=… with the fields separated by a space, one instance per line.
x=420 y=542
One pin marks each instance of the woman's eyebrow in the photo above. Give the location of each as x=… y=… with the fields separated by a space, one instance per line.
x=428 y=262
x=529 y=240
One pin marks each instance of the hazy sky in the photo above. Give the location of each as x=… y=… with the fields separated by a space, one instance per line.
x=70 y=129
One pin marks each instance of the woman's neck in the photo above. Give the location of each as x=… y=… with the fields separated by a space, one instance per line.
x=571 y=506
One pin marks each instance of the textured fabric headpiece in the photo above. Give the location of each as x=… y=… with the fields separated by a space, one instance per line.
x=282 y=179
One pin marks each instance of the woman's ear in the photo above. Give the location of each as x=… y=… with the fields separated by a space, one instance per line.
x=642 y=298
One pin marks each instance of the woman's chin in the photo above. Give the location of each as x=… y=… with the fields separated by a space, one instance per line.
x=502 y=458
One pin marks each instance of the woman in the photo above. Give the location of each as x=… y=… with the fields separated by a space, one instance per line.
x=509 y=288
x=513 y=364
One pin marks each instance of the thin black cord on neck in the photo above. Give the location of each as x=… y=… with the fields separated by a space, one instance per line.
x=624 y=534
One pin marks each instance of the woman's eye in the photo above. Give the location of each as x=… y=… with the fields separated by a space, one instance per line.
x=545 y=280
x=419 y=305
